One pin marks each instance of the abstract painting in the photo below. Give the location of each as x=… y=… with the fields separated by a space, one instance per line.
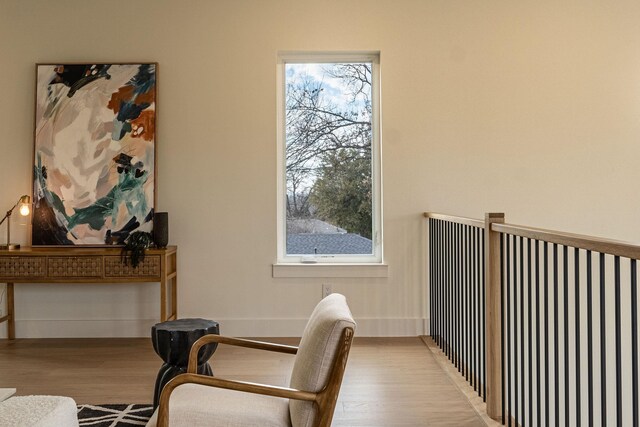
x=94 y=156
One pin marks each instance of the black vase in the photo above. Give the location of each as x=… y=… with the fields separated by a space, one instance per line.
x=161 y=229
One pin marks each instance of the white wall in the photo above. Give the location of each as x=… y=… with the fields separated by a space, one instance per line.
x=531 y=108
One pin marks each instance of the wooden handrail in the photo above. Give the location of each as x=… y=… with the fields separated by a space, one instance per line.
x=239 y=342
x=457 y=219
x=596 y=244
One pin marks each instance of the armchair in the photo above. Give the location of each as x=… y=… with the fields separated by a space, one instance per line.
x=320 y=360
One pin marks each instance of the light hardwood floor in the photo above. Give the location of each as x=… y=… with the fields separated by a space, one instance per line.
x=388 y=381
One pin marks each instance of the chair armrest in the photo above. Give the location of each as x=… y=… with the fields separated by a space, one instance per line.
x=268 y=390
x=221 y=339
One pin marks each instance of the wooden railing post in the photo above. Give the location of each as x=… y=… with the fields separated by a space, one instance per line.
x=493 y=317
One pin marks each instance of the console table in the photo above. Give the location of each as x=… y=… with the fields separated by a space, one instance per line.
x=88 y=265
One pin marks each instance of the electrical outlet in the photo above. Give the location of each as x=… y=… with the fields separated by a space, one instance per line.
x=326 y=290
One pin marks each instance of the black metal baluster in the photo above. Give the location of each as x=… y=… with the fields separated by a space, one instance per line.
x=440 y=262
x=439 y=281
x=470 y=352
x=449 y=289
x=616 y=261
x=483 y=304
x=463 y=307
x=461 y=303
x=522 y=375
x=452 y=299
x=479 y=307
x=556 y=377
x=466 y=301
x=530 y=360
x=474 y=309
x=577 y=330
x=445 y=291
x=590 y=338
x=515 y=330
x=440 y=255
x=565 y=274
x=538 y=402
x=502 y=328
x=465 y=304
x=450 y=294
x=479 y=303
x=508 y=320
x=634 y=340
x=458 y=341
x=438 y=272
x=443 y=286
x=431 y=296
x=459 y=299
x=546 y=334
x=440 y=318
x=434 y=267
x=472 y=319
x=477 y=337
x=456 y=300
x=441 y=274
x=603 y=344
x=469 y=312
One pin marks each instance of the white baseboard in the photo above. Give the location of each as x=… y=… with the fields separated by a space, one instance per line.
x=367 y=327
x=82 y=328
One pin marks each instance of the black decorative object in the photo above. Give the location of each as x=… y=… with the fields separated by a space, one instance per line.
x=161 y=229
x=135 y=247
x=172 y=341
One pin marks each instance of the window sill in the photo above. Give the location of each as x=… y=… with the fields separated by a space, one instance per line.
x=330 y=270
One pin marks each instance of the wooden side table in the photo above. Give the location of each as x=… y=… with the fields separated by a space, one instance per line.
x=88 y=265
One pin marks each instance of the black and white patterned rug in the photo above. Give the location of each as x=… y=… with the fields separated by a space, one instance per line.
x=114 y=415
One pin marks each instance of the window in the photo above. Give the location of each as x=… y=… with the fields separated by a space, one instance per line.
x=329 y=159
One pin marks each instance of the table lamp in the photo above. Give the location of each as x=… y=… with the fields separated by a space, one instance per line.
x=24 y=210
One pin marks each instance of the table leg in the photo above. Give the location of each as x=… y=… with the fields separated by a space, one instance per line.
x=11 y=326
x=163 y=298
x=174 y=296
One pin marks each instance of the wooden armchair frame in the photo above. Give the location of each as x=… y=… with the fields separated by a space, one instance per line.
x=325 y=400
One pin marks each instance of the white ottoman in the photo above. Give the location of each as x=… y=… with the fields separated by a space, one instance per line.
x=38 y=411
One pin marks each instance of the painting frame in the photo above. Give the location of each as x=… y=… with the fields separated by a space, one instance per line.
x=94 y=163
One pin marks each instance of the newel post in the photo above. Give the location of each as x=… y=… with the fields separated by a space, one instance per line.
x=493 y=325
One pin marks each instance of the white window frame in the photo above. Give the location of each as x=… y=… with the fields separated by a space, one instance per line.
x=376 y=180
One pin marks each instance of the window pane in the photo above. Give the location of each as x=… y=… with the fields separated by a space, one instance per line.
x=328 y=158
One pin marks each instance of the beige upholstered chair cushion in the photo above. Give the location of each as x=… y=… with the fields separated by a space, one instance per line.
x=194 y=405
x=316 y=353
x=39 y=411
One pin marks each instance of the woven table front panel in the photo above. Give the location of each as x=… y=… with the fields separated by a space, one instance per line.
x=84 y=266
x=150 y=267
x=22 y=266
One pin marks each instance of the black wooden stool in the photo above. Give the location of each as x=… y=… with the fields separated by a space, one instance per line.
x=172 y=341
